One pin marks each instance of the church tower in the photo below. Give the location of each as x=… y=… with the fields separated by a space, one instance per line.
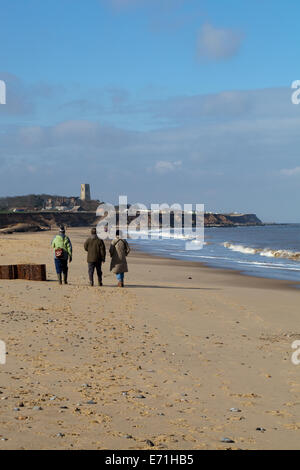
x=85 y=193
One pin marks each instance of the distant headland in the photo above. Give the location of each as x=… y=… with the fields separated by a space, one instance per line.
x=43 y=212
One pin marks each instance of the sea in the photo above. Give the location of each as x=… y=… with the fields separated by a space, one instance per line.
x=269 y=251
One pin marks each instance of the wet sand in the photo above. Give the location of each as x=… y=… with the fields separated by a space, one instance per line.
x=162 y=360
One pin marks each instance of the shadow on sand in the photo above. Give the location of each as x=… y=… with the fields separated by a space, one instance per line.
x=136 y=286
x=148 y=286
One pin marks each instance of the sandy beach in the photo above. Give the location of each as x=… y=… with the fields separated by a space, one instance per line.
x=158 y=364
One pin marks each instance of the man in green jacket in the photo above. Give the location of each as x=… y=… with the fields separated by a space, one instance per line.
x=95 y=248
x=62 y=247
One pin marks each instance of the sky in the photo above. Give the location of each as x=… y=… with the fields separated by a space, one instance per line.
x=176 y=101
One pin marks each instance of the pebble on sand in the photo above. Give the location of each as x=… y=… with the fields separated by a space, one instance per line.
x=150 y=443
x=261 y=429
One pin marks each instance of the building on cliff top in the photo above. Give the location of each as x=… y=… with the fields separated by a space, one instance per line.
x=85 y=193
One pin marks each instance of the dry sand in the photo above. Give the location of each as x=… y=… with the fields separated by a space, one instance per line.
x=163 y=359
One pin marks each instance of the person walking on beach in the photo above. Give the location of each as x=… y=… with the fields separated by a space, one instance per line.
x=96 y=250
x=119 y=250
x=62 y=247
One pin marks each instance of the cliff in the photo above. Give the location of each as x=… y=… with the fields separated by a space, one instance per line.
x=37 y=202
x=26 y=221
x=46 y=220
x=229 y=220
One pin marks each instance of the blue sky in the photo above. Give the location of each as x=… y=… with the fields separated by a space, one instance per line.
x=163 y=100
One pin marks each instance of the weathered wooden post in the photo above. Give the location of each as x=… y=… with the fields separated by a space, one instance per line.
x=29 y=272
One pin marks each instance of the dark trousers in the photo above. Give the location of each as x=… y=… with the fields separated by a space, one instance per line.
x=91 y=267
x=61 y=266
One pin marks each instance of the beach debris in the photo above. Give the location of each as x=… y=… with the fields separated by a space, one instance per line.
x=150 y=443
x=227 y=440
x=16 y=409
x=91 y=402
x=128 y=436
x=53 y=398
x=60 y=434
x=8 y=272
x=235 y=410
x=261 y=429
x=140 y=396
x=29 y=272
x=4 y=439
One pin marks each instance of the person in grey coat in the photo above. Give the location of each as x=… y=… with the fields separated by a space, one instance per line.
x=119 y=250
x=95 y=248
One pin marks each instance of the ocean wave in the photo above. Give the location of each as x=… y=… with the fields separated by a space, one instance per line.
x=173 y=234
x=269 y=253
x=240 y=248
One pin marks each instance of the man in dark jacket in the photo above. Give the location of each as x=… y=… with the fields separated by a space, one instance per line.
x=96 y=256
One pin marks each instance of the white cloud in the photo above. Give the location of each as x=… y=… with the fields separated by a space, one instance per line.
x=218 y=43
x=166 y=167
x=19 y=99
x=226 y=105
x=22 y=97
x=291 y=171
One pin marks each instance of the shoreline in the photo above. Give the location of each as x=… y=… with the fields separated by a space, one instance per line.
x=254 y=280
